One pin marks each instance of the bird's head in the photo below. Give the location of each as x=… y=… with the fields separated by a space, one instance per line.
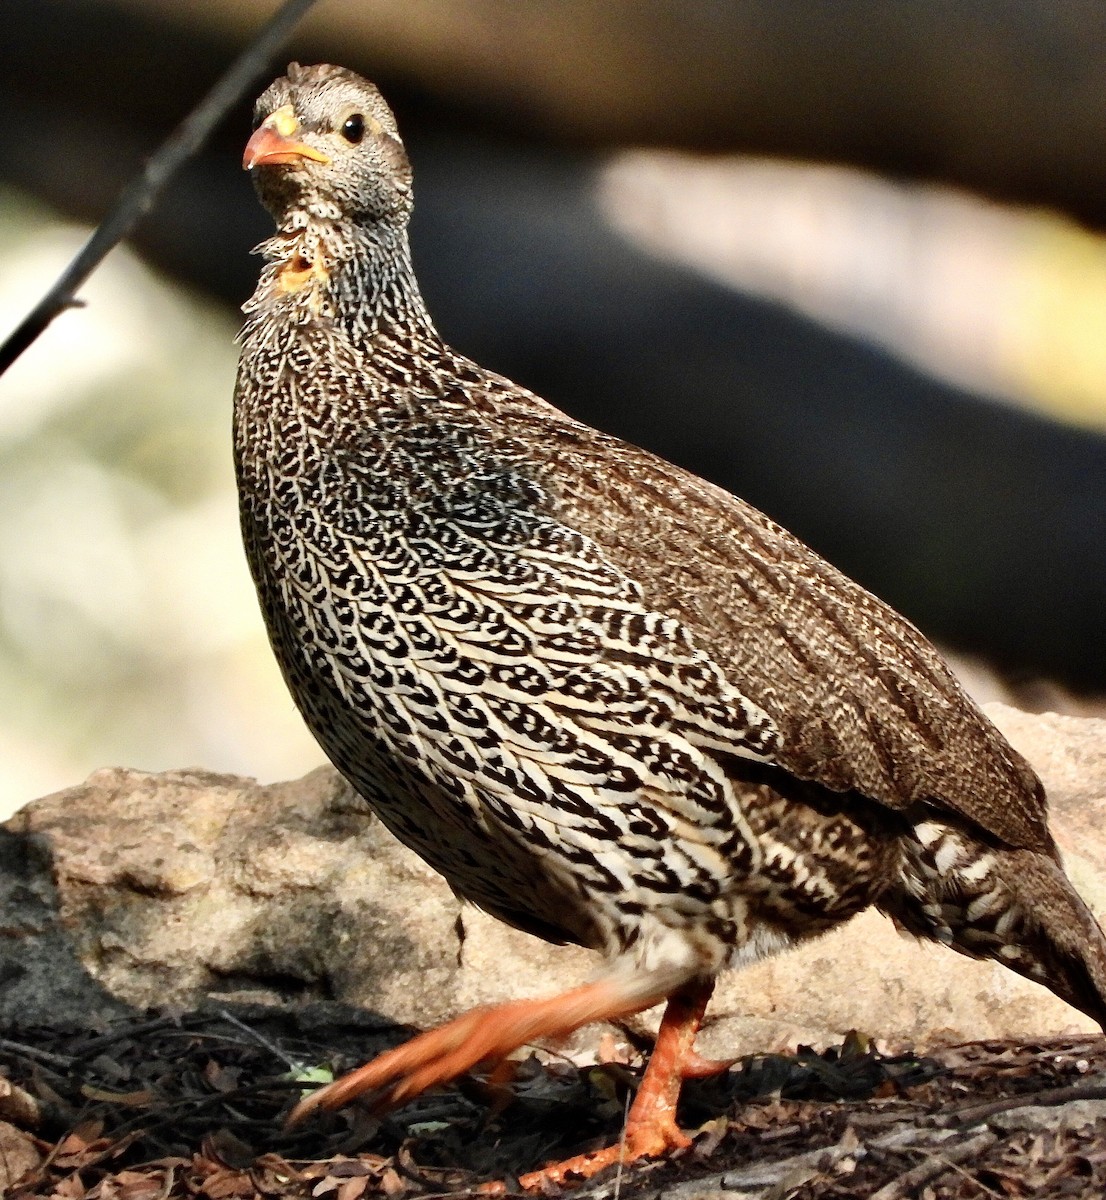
x=325 y=148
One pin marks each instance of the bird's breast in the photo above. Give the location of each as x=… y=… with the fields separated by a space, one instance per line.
x=496 y=688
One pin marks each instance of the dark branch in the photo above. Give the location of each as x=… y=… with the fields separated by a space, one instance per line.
x=139 y=196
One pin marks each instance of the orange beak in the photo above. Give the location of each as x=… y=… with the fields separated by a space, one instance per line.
x=272 y=143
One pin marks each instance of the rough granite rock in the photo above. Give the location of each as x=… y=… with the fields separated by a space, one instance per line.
x=139 y=889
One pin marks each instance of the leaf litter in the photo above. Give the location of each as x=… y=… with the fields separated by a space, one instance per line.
x=191 y=1105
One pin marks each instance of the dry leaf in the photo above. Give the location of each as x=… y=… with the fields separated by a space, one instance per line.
x=225 y=1182
x=81 y=1137
x=353 y=1188
x=367 y=1164
x=18 y=1106
x=392 y=1183
x=222 y=1079
x=709 y=1136
x=19 y=1156
x=71 y=1187
x=225 y=1147
x=142 y=1185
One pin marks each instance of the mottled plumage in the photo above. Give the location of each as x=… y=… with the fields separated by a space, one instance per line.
x=610 y=702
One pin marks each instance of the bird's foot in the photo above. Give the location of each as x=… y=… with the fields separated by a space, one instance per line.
x=426 y=1061
x=486 y=1034
x=651 y=1130
x=645 y=1138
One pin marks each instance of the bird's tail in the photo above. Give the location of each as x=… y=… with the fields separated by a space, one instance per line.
x=1012 y=905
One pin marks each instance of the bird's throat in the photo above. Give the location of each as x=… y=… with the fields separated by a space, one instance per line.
x=359 y=278
x=300 y=272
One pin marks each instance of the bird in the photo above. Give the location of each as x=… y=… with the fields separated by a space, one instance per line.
x=611 y=703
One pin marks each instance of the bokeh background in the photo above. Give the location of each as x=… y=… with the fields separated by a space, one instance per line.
x=846 y=260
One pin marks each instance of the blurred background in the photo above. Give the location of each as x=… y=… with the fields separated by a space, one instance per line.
x=846 y=260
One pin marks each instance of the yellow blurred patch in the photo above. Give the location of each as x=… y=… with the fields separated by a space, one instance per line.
x=1056 y=337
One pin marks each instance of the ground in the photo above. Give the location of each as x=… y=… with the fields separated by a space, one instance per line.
x=190 y=1105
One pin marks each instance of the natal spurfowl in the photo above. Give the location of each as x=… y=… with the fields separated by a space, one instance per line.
x=611 y=703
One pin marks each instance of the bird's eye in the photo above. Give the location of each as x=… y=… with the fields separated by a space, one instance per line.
x=353 y=130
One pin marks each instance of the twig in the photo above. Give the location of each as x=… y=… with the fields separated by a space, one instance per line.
x=945 y=1147
x=138 y=197
x=291 y=1063
x=622 y=1148
x=909 y=1183
x=177 y=1110
x=760 y=1179
x=97 y=1044
x=973 y=1114
x=65 y=1062
x=956 y=1168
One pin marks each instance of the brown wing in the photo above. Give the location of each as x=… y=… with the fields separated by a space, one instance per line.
x=861 y=698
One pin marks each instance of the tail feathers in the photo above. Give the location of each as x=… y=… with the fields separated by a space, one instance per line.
x=1014 y=906
x=1069 y=942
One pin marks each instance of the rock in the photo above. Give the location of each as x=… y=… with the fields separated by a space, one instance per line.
x=139 y=889
x=42 y=979
x=136 y=889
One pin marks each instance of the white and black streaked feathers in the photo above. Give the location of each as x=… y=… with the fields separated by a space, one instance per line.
x=610 y=702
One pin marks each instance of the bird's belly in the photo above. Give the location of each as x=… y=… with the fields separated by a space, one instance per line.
x=550 y=788
x=659 y=896
x=437 y=815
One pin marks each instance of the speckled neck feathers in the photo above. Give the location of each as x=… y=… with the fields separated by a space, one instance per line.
x=354 y=282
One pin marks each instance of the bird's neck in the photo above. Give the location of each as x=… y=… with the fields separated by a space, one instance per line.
x=356 y=278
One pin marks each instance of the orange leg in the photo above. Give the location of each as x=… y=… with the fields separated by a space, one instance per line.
x=651 y=1128
x=484 y=1034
